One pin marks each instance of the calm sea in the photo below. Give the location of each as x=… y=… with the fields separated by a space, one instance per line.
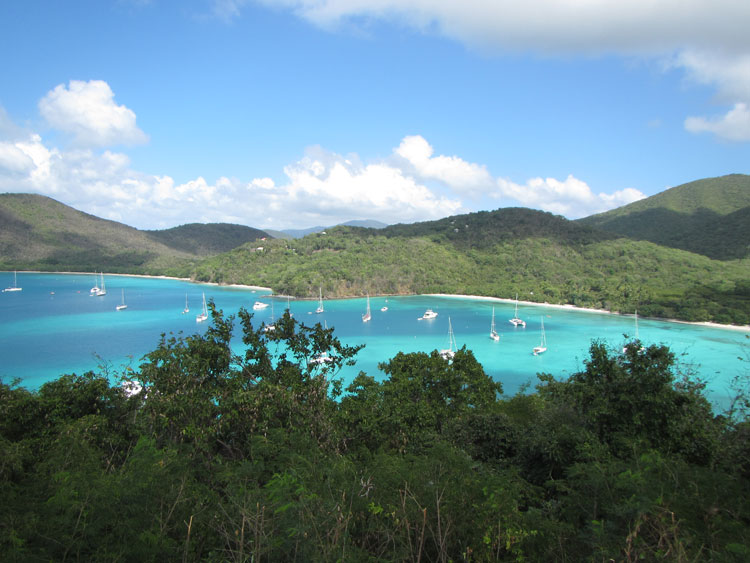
x=53 y=327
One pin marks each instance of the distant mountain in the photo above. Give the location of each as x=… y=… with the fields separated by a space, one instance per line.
x=299 y=233
x=207 y=239
x=366 y=223
x=709 y=217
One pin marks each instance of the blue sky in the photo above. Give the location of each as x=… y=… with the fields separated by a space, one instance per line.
x=294 y=113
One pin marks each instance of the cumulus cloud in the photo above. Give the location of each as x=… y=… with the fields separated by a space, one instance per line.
x=462 y=176
x=87 y=111
x=571 y=197
x=322 y=187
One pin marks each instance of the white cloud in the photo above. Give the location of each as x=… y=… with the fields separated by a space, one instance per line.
x=88 y=112
x=322 y=188
x=552 y=26
x=572 y=197
x=463 y=177
x=733 y=126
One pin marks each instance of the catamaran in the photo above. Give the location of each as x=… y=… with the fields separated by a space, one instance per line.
x=493 y=333
x=516 y=321
x=122 y=305
x=14 y=287
x=367 y=316
x=98 y=290
x=320 y=308
x=543 y=344
x=450 y=351
x=204 y=312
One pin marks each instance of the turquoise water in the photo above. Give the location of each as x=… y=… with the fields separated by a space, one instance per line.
x=54 y=327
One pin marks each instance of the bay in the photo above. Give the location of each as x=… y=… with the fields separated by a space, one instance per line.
x=54 y=327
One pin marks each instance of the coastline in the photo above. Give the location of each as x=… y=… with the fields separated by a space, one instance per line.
x=708 y=324
x=235 y=285
x=738 y=328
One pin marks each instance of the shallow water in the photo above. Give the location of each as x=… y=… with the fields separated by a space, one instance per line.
x=53 y=327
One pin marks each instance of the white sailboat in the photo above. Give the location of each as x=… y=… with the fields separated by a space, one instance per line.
x=320 y=308
x=637 y=338
x=516 y=321
x=94 y=291
x=493 y=333
x=272 y=326
x=14 y=287
x=367 y=316
x=99 y=290
x=122 y=305
x=186 y=309
x=204 y=312
x=450 y=351
x=543 y=344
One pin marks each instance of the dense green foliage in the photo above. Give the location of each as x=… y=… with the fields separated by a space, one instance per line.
x=250 y=457
x=207 y=239
x=542 y=257
x=708 y=217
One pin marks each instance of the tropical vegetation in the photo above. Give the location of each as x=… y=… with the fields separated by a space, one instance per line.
x=211 y=455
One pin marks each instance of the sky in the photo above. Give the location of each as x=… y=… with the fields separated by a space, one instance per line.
x=281 y=114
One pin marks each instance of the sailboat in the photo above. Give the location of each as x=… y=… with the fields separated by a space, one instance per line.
x=493 y=333
x=122 y=305
x=186 y=309
x=14 y=287
x=515 y=321
x=96 y=289
x=637 y=338
x=449 y=352
x=204 y=312
x=320 y=308
x=543 y=344
x=99 y=290
x=272 y=326
x=367 y=316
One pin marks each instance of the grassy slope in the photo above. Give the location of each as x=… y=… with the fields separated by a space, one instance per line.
x=708 y=216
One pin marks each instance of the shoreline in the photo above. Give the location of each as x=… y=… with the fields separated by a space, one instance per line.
x=708 y=324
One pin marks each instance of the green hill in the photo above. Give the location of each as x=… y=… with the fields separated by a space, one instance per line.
x=37 y=232
x=207 y=239
x=709 y=217
x=543 y=257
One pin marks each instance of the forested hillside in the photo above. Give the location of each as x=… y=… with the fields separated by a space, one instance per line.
x=542 y=257
x=207 y=239
x=709 y=217
x=260 y=457
x=39 y=233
